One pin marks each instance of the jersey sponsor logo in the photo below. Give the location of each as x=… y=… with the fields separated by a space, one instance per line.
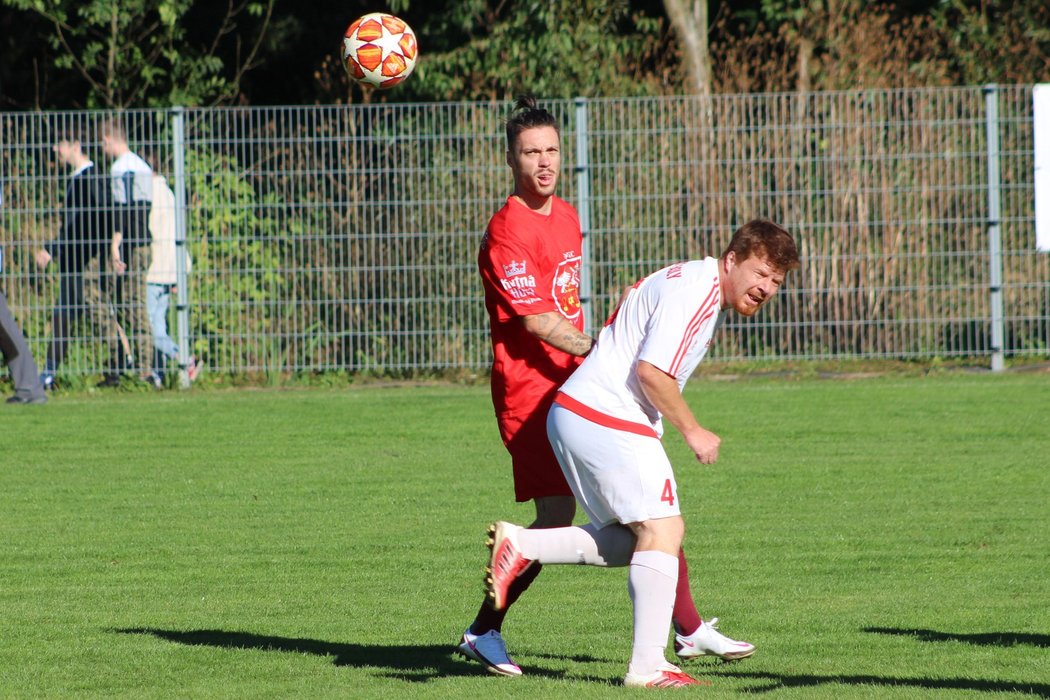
x=675 y=271
x=566 y=288
x=520 y=287
x=514 y=268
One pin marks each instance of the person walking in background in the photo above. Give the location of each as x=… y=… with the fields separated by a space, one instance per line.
x=82 y=238
x=17 y=357
x=131 y=181
x=15 y=350
x=606 y=425
x=529 y=261
x=162 y=277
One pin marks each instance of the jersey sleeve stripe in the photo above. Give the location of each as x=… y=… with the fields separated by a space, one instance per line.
x=699 y=318
x=585 y=411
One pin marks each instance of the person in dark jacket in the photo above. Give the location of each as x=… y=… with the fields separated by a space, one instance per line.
x=84 y=236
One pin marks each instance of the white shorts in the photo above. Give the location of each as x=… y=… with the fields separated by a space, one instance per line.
x=616 y=476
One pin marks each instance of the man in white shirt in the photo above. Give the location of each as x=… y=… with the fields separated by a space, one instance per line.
x=606 y=424
x=131 y=180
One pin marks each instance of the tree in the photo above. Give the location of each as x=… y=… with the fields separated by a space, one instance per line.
x=151 y=52
x=995 y=40
x=692 y=28
x=491 y=49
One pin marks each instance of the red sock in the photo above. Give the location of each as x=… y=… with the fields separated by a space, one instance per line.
x=685 y=616
x=489 y=619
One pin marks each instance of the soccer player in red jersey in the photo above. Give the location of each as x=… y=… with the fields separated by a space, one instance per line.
x=529 y=262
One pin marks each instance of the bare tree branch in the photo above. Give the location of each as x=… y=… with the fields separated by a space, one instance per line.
x=249 y=62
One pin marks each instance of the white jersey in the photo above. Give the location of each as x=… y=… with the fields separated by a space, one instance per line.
x=132 y=179
x=668 y=320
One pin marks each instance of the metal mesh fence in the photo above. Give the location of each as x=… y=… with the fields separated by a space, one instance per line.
x=344 y=238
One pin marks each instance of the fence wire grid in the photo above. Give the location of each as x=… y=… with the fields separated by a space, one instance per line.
x=344 y=238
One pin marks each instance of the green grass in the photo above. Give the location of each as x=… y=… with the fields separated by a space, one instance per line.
x=880 y=537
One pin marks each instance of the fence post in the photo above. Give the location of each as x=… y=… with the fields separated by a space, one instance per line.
x=995 y=257
x=583 y=208
x=178 y=136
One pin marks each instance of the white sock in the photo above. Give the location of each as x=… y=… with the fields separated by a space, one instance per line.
x=611 y=545
x=651 y=583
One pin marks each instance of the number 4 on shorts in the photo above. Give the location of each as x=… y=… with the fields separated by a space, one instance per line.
x=668 y=494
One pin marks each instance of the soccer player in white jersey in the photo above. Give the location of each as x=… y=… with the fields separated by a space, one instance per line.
x=605 y=427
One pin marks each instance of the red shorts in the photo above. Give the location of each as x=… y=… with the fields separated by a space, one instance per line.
x=537 y=473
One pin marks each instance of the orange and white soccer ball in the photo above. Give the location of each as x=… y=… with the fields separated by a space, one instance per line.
x=379 y=50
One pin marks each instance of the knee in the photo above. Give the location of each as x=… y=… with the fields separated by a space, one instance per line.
x=554 y=511
x=665 y=534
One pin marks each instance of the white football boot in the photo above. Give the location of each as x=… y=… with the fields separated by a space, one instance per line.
x=490 y=651
x=708 y=641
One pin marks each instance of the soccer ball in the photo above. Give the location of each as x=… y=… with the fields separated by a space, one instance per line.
x=379 y=50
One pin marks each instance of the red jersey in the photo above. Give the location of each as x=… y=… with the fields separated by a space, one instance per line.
x=530 y=264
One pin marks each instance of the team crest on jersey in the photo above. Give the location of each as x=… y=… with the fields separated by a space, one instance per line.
x=566 y=291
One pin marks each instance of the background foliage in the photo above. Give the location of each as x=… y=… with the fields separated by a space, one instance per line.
x=291 y=248
x=115 y=53
x=344 y=237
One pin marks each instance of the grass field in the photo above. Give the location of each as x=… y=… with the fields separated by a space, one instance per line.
x=881 y=537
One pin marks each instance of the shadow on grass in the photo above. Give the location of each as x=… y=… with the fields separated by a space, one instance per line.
x=417 y=663
x=780 y=681
x=992 y=639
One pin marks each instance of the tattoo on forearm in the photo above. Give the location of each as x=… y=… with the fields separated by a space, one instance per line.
x=564 y=336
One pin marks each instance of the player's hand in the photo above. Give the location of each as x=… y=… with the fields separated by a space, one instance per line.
x=704 y=445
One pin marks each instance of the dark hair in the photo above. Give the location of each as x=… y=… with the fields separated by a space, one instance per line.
x=764 y=239
x=527 y=115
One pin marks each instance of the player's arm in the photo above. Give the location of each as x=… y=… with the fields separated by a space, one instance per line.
x=662 y=391
x=552 y=328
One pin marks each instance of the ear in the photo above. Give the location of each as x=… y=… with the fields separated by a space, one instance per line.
x=729 y=261
x=510 y=160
